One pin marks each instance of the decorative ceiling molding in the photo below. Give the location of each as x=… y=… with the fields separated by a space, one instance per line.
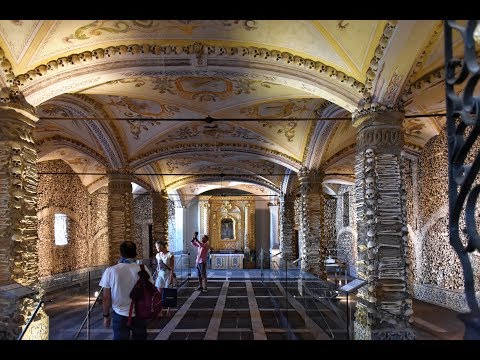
x=379 y=52
x=339 y=179
x=198 y=179
x=322 y=131
x=57 y=70
x=90 y=108
x=426 y=81
x=319 y=112
x=147 y=186
x=339 y=156
x=183 y=149
x=100 y=131
x=44 y=147
x=97 y=184
x=436 y=36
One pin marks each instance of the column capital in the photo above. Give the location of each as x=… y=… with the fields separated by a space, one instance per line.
x=119 y=174
x=163 y=193
x=11 y=98
x=16 y=124
x=372 y=113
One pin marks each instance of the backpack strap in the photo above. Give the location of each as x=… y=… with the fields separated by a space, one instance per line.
x=163 y=262
x=132 y=303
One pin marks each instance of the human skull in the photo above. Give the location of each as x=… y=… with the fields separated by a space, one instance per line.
x=41 y=70
x=16 y=147
x=370 y=181
x=17 y=183
x=110 y=51
x=63 y=61
x=133 y=49
x=122 y=49
x=145 y=49
x=287 y=57
x=264 y=53
x=370 y=194
x=309 y=64
x=73 y=59
x=6 y=66
x=320 y=67
x=232 y=50
x=16 y=172
x=276 y=55
x=32 y=74
x=331 y=71
x=16 y=160
x=254 y=51
x=17 y=195
x=298 y=60
x=369 y=153
x=85 y=56
x=52 y=65
x=14 y=91
x=4 y=97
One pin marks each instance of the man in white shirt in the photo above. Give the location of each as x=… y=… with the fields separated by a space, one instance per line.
x=117 y=281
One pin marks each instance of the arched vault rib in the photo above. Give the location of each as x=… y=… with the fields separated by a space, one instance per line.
x=323 y=130
x=79 y=106
x=320 y=81
x=252 y=179
x=48 y=145
x=259 y=152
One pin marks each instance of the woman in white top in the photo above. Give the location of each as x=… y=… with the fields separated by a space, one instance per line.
x=165 y=266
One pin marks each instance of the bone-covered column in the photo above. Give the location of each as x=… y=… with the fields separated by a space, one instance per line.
x=160 y=216
x=384 y=306
x=120 y=210
x=18 y=227
x=287 y=227
x=313 y=246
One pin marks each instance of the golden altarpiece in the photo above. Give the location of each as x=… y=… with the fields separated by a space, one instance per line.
x=230 y=223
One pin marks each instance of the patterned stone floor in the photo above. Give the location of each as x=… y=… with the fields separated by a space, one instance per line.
x=242 y=305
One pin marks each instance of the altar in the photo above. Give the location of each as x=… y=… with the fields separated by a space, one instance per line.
x=226 y=261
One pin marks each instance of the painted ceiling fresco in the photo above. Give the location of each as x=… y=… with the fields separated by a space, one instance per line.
x=195 y=105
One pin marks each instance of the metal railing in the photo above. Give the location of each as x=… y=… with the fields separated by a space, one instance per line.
x=463 y=130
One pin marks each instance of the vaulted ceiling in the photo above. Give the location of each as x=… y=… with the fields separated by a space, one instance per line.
x=194 y=105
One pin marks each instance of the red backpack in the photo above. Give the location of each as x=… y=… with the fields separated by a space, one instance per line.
x=145 y=298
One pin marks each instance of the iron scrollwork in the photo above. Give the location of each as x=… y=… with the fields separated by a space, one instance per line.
x=463 y=128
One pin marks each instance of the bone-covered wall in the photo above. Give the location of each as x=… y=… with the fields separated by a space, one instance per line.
x=98 y=239
x=142 y=218
x=346 y=241
x=410 y=166
x=329 y=230
x=61 y=194
x=438 y=276
x=171 y=225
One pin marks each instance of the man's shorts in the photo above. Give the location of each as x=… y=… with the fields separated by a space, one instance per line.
x=202 y=270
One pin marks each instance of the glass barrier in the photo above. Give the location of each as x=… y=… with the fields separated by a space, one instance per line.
x=293 y=304
x=75 y=311
x=325 y=308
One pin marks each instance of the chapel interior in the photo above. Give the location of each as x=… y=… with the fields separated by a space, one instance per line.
x=314 y=147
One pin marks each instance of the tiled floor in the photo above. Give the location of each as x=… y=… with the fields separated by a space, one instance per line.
x=241 y=306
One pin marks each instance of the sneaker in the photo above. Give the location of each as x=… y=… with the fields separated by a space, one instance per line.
x=199 y=288
x=204 y=290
